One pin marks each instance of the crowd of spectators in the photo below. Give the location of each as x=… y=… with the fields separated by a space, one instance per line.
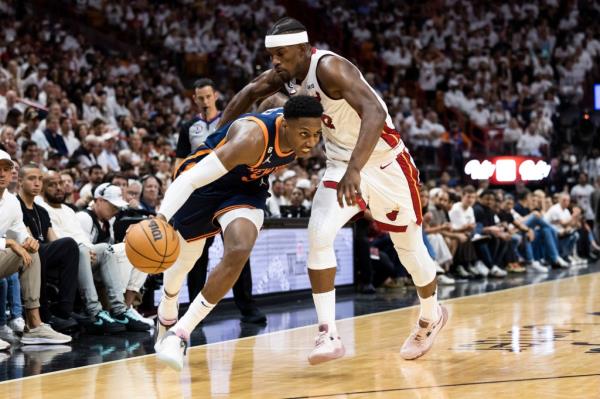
x=459 y=79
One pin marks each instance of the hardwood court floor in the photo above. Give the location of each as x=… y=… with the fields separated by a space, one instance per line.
x=537 y=341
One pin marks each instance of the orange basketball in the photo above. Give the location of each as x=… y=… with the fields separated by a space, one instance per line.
x=152 y=246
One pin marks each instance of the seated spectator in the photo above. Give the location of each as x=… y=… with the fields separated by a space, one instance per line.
x=94 y=260
x=462 y=220
x=492 y=251
x=19 y=252
x=545 y=244
x=95 y=222
x=59 y=256
x=531 y=142
x=559 y=216
x=151 y=193
x=296 y=208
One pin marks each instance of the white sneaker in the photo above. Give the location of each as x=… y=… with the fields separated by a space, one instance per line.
x=442 y=279
x=327 y=347
x=7 y=334
x=439 y=269
x=43 y=334
x=4 y=345
x=562 y=263
x=497 y=272
x=170 y=350
x=17 y=325
x=482 y=268
x=474 y=270
x=537 y=267
x=134 y=314
x=579 y=260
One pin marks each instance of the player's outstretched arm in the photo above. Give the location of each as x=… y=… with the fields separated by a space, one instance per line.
x=262 y=86
x=245 y=146
x=340 y=79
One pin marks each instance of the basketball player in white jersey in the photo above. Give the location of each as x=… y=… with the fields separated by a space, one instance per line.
x=367 y=165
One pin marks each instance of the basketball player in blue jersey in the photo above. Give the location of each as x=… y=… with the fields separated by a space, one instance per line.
x=223 y=186
x=191 y=136
x=367 y=165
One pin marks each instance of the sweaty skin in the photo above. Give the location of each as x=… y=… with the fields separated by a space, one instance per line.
x=339 y=79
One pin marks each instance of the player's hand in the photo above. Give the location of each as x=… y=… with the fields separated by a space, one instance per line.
x=349 y=187
x=31 y=245
x=531 y=235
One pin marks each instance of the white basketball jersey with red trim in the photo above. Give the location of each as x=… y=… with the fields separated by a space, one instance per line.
x=341 y=123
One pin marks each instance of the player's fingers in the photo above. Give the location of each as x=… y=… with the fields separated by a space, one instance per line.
x=340 y=196
x=349 y=195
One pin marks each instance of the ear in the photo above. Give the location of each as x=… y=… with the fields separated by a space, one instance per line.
x=217 y=95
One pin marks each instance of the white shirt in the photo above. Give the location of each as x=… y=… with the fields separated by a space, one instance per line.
x=530 y=144
x=583 y=195
x=65 y=223
x=108 y=161
x=11 y=222
x=557 y=214
x=460 y=217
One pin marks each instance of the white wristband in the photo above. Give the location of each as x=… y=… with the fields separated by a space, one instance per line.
x=203 y=173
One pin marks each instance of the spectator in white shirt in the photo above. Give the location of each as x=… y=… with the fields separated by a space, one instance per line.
x=559 y=216
x=19 y=253
x=531 y=142
x=582 y=194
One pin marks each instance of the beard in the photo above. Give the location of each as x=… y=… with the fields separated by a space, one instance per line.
x=55 y=199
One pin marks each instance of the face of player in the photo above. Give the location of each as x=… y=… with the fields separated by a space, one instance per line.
x=206 y=99
x=286 y=60
x=303 y=134
x=31 y=183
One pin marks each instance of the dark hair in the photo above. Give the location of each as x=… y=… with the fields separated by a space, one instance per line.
x=200 y=83
x=94 y=167
x=302 y=107
x=469 y=190
x=488 y=192
x=26 y=144
x=522 y=195
x=286 y=25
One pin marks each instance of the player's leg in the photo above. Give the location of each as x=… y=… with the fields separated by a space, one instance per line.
x=327 y=218
x=414 y=256
x=172 y=281
x=240 y=228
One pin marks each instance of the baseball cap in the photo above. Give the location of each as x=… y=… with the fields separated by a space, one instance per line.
x=110 y=193
x=303 y=184
x=4 y=157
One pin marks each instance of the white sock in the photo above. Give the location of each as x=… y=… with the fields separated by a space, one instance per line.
x=174 y=277
x=197 y=311
x=429 y=308
x=167 y=308
x=325 y=305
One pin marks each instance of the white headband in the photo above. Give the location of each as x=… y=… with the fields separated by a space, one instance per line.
x=288 y=39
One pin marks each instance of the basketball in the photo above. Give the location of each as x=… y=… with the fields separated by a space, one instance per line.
x=152 y=246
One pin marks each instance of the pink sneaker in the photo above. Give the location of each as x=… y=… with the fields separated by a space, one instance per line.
x=326 y=347
x=421 y=338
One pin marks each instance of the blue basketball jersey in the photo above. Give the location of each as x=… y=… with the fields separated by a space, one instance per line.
x=245 y=186
x=272 y=159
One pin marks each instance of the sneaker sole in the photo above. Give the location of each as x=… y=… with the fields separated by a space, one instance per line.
x=170 y=361
x=318 y=359
x=444 y=320
x=39 y=341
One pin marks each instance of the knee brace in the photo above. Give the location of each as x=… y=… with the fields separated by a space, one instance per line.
x=320 y=243
x=414 y=256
